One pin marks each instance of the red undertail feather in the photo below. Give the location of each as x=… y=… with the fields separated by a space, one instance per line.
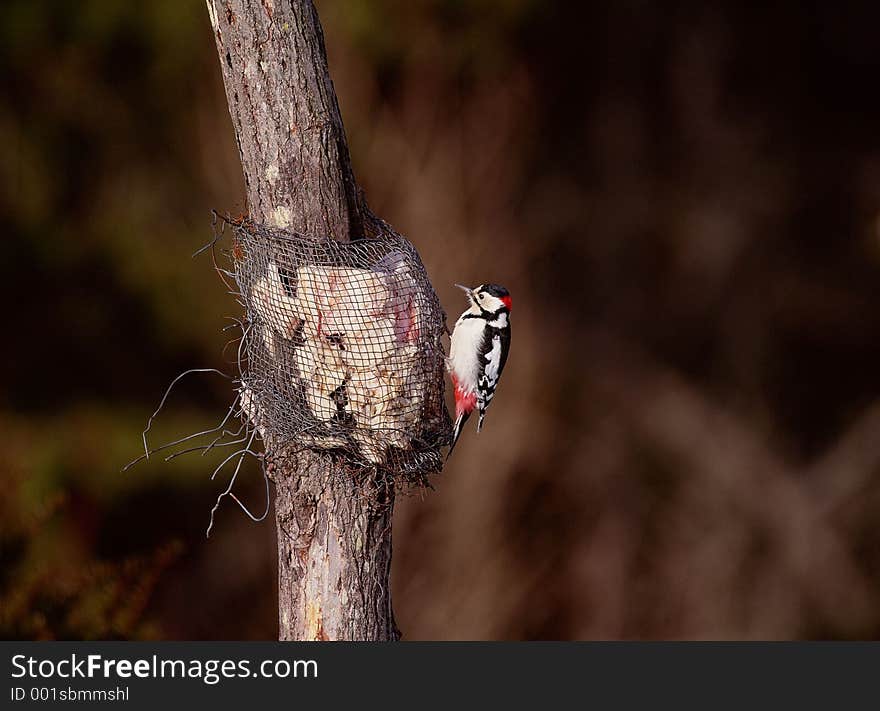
x=465 y=402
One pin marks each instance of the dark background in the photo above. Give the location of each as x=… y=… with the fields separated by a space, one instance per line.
x=684 y=201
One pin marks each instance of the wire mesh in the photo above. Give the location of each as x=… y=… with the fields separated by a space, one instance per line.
x=341 y=348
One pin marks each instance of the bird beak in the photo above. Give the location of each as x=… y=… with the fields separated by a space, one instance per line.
x=467 y=290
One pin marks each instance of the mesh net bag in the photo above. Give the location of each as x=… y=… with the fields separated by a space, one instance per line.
x=341 y=348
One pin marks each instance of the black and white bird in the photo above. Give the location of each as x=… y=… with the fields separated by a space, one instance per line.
x=478 y=351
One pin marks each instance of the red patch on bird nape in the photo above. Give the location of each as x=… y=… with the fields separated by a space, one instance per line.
x=506 y=301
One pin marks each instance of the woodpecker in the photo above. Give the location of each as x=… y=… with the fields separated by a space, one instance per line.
x=478 y=351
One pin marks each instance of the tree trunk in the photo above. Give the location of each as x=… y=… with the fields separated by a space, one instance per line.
x=333 y=526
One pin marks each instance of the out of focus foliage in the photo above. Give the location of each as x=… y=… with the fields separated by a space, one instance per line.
x=684 y=200
x=111 y=124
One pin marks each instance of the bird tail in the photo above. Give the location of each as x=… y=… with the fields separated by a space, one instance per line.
x=456 y=431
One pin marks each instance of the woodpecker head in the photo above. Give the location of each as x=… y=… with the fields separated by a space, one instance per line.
x=487 y=299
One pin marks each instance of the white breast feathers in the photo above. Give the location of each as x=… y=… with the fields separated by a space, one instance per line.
x=464 y=351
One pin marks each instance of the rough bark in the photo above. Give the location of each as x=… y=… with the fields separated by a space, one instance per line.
x=333 y=525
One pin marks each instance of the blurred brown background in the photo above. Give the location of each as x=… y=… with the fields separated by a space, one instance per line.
x=683 y=199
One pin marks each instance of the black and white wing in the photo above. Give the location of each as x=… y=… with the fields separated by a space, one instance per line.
x=493 y=356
